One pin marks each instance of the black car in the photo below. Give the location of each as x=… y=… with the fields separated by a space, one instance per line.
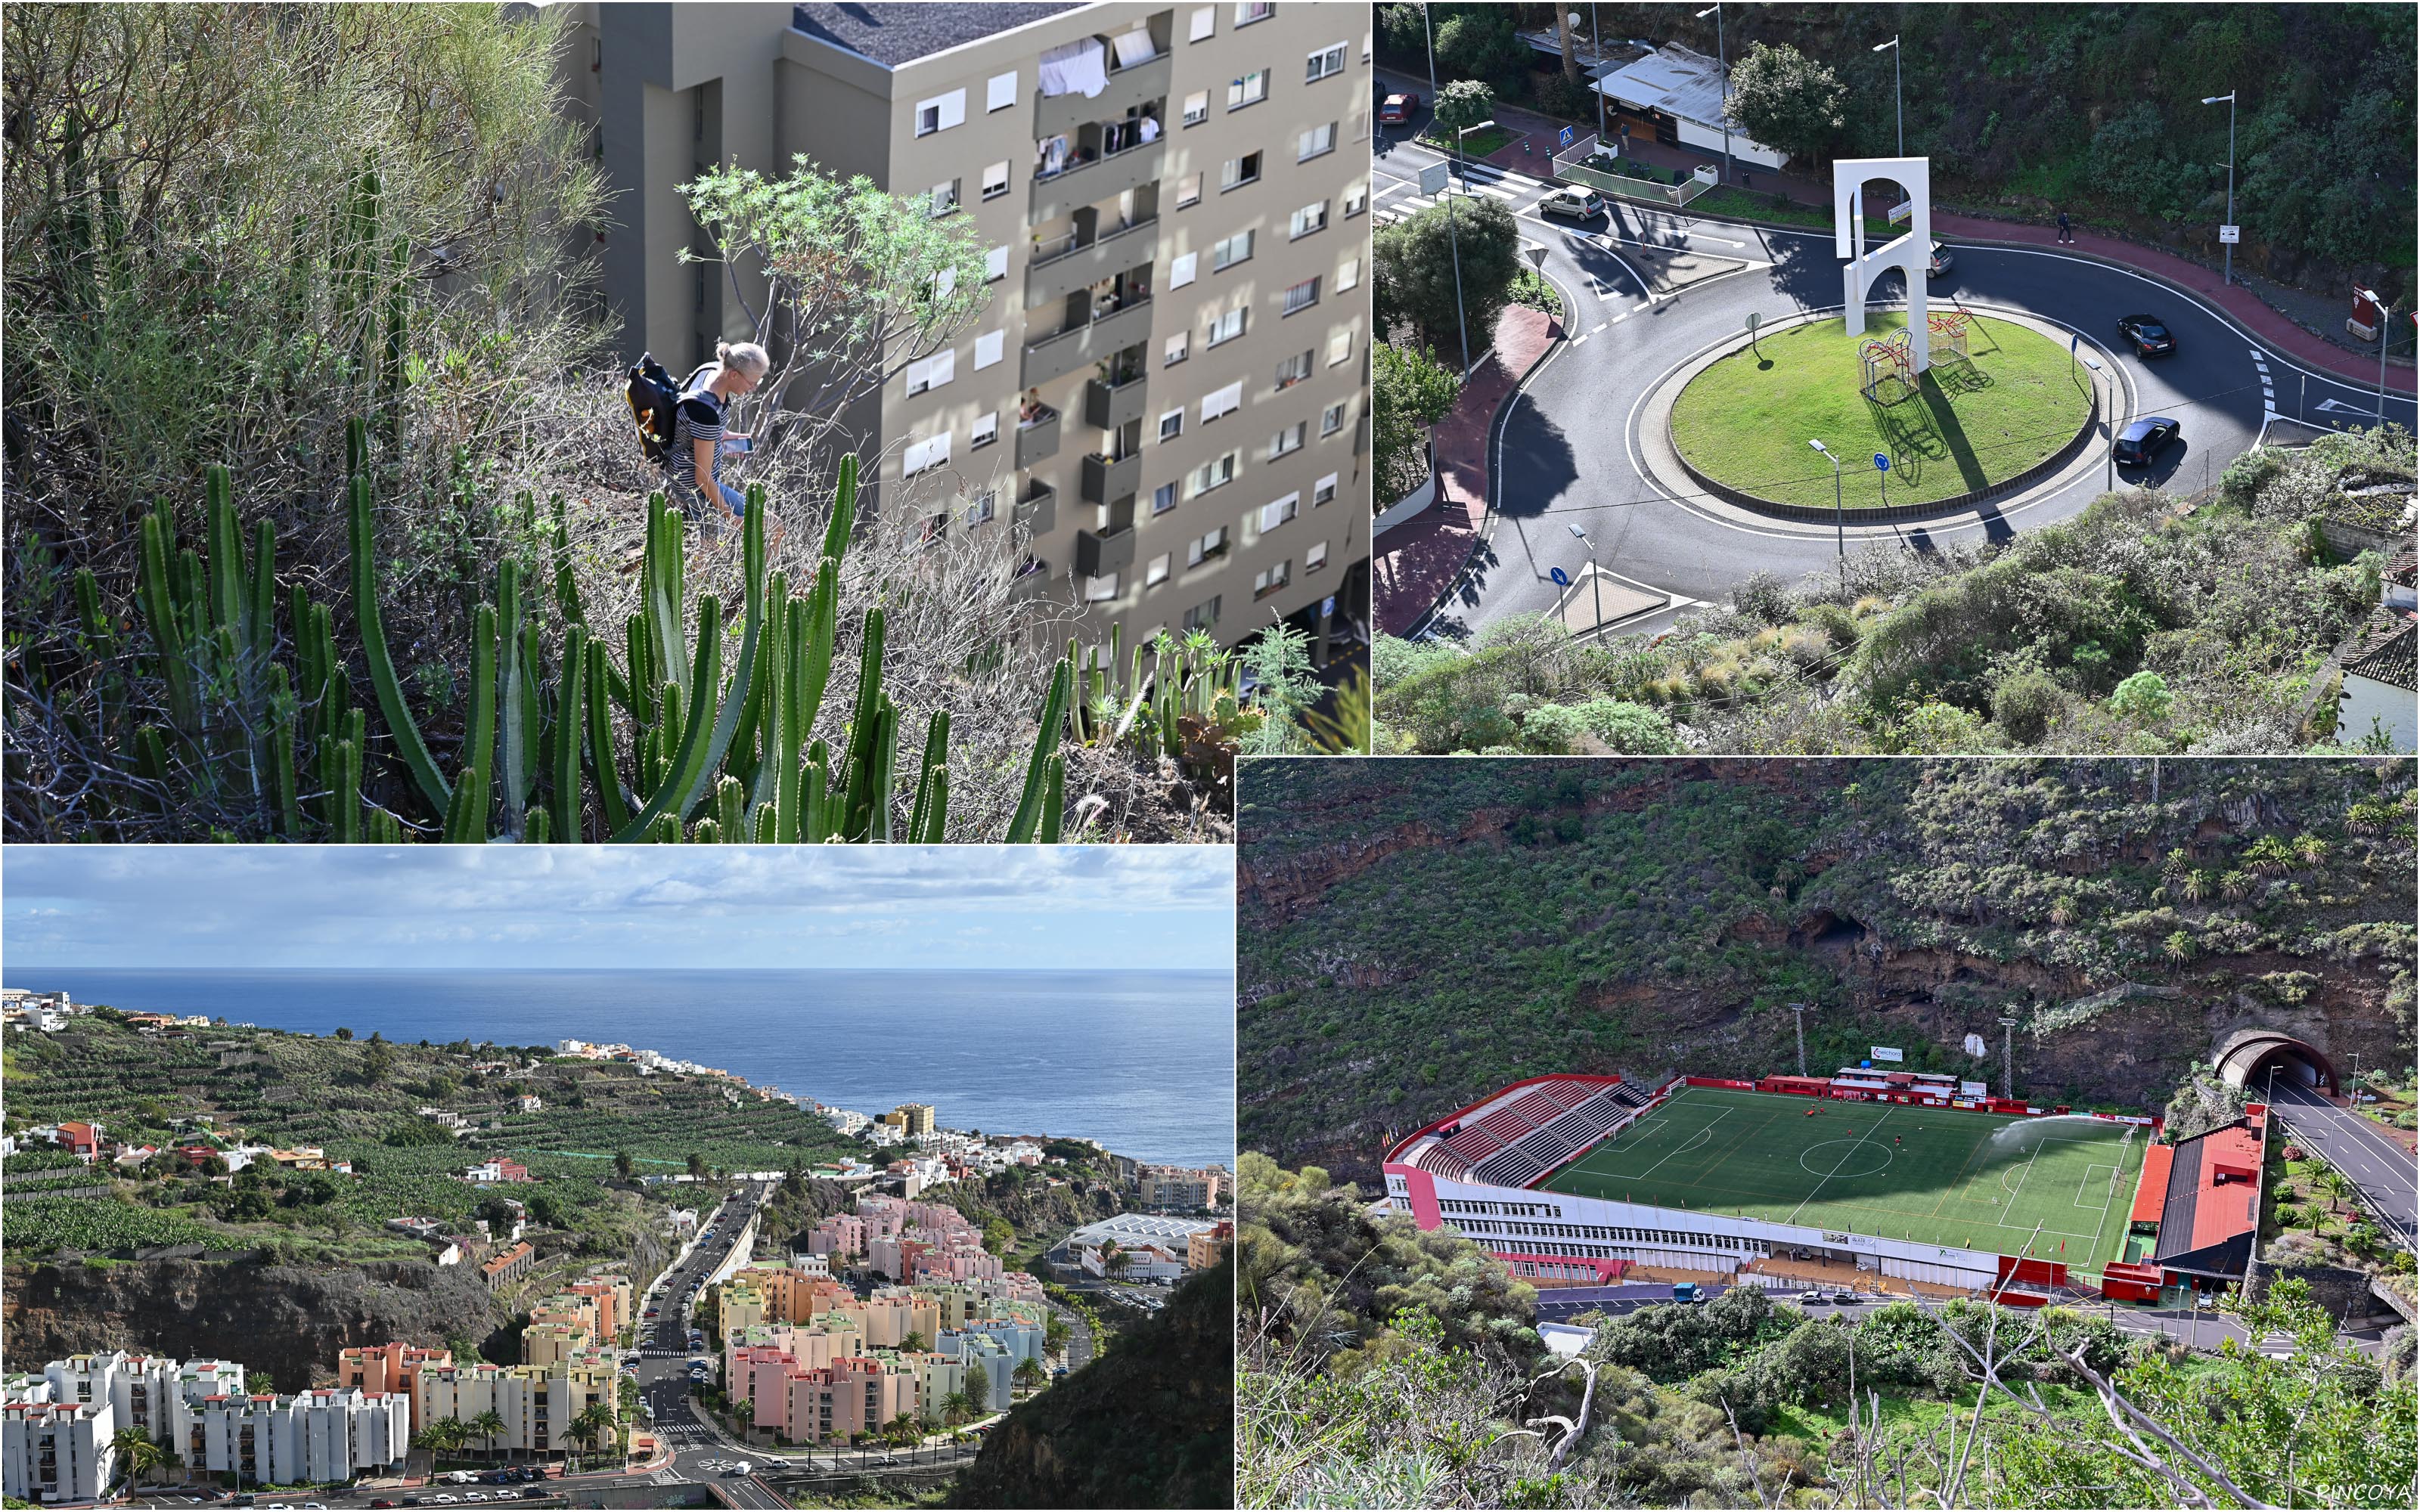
x=2151 y=336
x=2144 y=439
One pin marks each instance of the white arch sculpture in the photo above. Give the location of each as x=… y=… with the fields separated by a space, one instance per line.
x=1909 y=252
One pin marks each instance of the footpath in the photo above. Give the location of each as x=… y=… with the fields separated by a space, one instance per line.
x=1419 y=560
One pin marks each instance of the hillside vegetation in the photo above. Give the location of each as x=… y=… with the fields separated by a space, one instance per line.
x=1414 y=934
x=2137 y=627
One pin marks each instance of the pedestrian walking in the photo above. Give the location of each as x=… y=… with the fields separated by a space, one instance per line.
x=2066 y=234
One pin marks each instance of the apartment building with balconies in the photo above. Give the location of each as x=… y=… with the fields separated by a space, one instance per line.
x=1163 y=408
x=538 y=1403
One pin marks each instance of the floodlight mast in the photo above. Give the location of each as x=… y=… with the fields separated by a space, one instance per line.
x=1798 y=1017
x=2008 y=1056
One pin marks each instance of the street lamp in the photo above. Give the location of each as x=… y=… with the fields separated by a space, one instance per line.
x=2228 y=248
x=1840 y=514
x=2385 y=334
x=1452 y=235
x=1896 y=94
x=1596 y=583
x=1596 y=44
x=1723 y=62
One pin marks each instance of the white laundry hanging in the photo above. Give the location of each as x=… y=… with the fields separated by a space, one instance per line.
x=1079 y=68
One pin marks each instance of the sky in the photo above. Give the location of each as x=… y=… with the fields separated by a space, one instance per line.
x=1063 y=907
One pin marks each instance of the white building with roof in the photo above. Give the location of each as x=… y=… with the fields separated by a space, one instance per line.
x=1683 y=95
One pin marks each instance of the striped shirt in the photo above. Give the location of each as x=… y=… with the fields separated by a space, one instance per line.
x=700 y=418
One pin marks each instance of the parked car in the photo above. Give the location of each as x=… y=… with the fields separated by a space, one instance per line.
x=1571 y=205
x=1814 y=1299
x=2149 y=334
x=1847 y=1296
x=1398 y=109
x=2144 y=439
x=1939 y=262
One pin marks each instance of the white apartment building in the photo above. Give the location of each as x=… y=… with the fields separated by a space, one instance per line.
x=317 y=1438
x=1163 y=405
x=54 y=1451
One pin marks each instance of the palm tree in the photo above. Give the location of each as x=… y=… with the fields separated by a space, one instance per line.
x=136 y=1453
x=2310 y=850
x=1054 y=1335
x=1115 y=1261
x=913 y=1343
x=2062 y=911
x=2178 y=946
x=2269 y=855
x=2234 y=886
x=484 y=1427
x=957 y=1407
x=1028 y=1375
x=2338 y=1189
x=622 y=1165
x=594 y=1422
x=2195 y=885
x=903 y=1429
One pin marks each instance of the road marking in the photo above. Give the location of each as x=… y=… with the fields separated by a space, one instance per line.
x=1599 y=327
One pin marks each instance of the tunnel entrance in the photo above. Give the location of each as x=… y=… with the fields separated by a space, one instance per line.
x=2253 y=1056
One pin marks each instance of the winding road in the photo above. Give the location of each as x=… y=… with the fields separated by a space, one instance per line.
x=1645 y=290
x=2383 y=1171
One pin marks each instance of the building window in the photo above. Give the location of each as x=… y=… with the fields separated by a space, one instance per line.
x=995 y=180
x=1237 y=172
x=1302 y=296
x=989 y=346
x=1174 y=353
x=1277 y=514
x=1180 y=268
x=995 y=265
x=1197 y=107
x=1226 y=328
x=1223 y=402
x=1325 y=63
x=1314 y=556
x=1259 y=11
x=986 y=430
x=1000 y=92
x=1269 y=579
x=1340 y=345
x=1288 y=440
x=1216 y=473
x=944 y=198
x=1317 y=143
x=1189 y=190
x=1204 y=25
x=1202 y=616
x=944 y=111
x=1356 y=199
x=1163 y=499
x=1207 y=547
x=1155 y=572
x=1348 y=275
x=982 y=510
x=1324 y=490
x=1294 y=370
x=1100 y=589
x=932 y=372
x=1331 y=418
x=919 y=455
x=1250 y=89
x=1307 y=220
x=1230 y=251
x=1172 y=424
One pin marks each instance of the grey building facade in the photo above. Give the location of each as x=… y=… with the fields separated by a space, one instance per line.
x=1166 y=400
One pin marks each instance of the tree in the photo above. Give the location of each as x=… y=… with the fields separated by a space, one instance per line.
x=913 y=1343
x=343 y=1033
x=1410 y=393
x=1416 y=259
x=2143 y=699
x=377 y=1063
x=1787 y=100
x=484 y=1427
x=1054 y=1335
x=595 y=1420
x=1030 y=1375
x=696 y=1165
x=902 y=1429
x=2338 y=1188
x=1115 y=1261
x=978 y=1391
x=137 y=1454
x=622 y=1165
x=1462 y=104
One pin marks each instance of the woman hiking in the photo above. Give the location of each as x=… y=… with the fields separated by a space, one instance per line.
x=699 y=438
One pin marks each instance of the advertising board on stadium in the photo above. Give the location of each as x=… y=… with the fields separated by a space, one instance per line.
x=1974 y=1089
x=1884 y=1052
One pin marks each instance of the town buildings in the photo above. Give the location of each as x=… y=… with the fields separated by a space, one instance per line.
x=1159 y=413
x=1154 y=1247
x=1172 y=1186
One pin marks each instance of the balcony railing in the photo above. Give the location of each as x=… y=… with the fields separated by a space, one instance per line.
x=1109 y=406
x=1065 y=264
x=1038 y=511
x=1094 y=179
x=1098 y=554
x=1037 y=439
x=1106 y=479
x=1063 y=352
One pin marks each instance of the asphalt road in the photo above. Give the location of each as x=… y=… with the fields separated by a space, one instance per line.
x=2388 y=1178
x=1565 y=451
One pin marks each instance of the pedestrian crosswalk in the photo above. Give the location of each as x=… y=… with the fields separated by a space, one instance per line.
x=1403 y=199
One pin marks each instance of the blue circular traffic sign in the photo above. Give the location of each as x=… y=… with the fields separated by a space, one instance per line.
x=1562 y=579
x=1881 y=463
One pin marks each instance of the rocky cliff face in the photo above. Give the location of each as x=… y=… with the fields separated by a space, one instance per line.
x=1149 y=1423
x=286 y=1323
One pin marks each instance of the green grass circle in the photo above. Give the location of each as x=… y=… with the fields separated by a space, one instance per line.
x=1744 y=421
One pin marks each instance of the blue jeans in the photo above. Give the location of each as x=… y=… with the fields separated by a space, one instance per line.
x=692 y=501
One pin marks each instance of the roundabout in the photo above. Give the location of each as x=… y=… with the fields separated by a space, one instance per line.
x=2011 y=400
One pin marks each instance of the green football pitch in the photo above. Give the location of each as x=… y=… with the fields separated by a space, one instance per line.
x=1937 y=1175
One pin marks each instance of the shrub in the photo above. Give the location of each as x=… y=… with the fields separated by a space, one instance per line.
x=2142 y=699
x=2024 y=704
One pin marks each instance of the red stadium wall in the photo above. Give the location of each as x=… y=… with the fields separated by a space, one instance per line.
x=1605 y=1272
x=1719 y=1081
x=2041 y=1273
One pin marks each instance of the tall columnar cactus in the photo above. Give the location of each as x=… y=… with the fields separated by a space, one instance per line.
x=713 y=751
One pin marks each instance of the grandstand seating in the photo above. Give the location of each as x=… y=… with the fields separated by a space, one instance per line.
x=1560 y=1138
x=1474 y=1144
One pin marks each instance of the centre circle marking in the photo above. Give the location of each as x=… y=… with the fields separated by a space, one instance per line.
x=1849 y=1153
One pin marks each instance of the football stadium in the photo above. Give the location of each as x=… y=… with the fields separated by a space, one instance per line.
x=1573 y=1180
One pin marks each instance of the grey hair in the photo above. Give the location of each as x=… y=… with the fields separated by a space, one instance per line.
x=746 y=356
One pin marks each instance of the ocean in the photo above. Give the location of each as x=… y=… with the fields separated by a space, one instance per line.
x=1142 y=1061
